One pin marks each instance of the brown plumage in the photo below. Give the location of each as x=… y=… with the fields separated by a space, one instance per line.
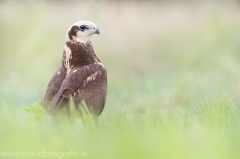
x=81 y=76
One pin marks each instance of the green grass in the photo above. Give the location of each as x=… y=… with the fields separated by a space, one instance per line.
x=204 y=129
x=173 y=79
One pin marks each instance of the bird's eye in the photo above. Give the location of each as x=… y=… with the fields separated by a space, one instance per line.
x=82 y=27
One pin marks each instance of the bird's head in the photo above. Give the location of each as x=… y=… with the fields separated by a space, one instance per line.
x=82 y=31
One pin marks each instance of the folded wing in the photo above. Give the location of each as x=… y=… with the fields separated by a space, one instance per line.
x=88 y=84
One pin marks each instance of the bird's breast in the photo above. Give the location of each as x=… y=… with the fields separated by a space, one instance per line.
x=78 y=55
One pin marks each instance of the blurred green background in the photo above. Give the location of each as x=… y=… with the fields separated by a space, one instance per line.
x=154 y=52
x=160 y=55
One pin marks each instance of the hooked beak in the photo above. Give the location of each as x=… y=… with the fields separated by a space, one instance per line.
x=96 y=31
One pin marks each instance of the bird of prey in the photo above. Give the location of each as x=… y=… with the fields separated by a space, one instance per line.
x=82 y=76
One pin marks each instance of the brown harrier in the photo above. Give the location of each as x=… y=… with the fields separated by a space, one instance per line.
x=82 y=76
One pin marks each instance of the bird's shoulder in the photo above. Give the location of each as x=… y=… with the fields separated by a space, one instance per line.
x=81 y=75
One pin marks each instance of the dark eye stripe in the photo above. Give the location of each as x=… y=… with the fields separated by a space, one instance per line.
x=82 y=27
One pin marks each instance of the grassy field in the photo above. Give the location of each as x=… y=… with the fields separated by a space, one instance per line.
x=173 y=80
